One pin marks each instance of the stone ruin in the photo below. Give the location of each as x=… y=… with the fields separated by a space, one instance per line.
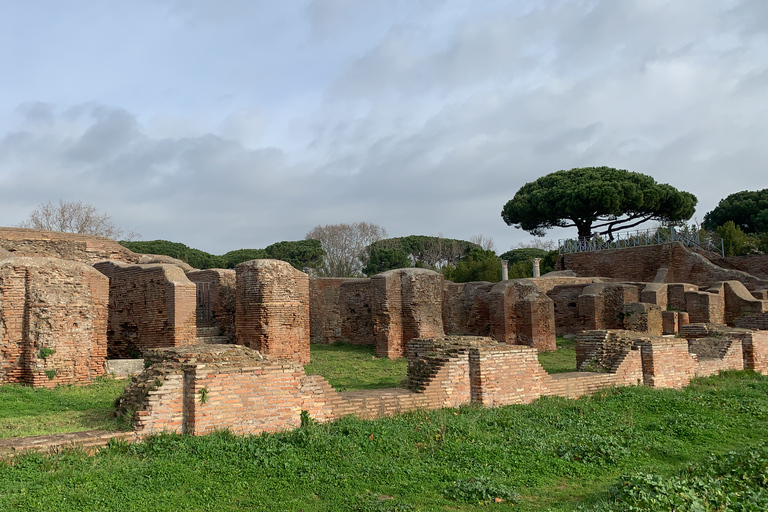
x=227 y=347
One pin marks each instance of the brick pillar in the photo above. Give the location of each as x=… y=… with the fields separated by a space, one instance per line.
x=273 y=309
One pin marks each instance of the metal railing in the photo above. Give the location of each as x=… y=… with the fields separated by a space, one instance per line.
x=639 y=238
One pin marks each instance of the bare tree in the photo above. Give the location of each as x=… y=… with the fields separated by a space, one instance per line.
x=344 y=245
x=75 y=217
x=537 y=243
x=486 y=242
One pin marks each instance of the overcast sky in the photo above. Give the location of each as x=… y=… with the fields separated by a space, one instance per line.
x=227 y=124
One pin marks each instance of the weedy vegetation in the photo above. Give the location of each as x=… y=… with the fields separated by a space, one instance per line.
x=633 y=448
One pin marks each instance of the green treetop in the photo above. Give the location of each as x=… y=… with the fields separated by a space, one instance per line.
x=595 y=199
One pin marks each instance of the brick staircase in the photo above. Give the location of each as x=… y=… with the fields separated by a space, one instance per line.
x=209 y=334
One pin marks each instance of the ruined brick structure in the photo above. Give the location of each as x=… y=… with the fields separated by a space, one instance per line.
x=216 y=298
x=641 y=264
x=74 y=247
x=199 y=389
x=150 y=306
x=53 y=321
x=273 y=309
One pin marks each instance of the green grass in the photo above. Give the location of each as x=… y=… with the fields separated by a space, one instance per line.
x=562 y=360
x=556 y=454
x=27 y=411
x=349 y=367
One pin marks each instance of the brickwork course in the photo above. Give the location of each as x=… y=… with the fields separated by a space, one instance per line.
x=202 y=388
x=273 y=309
x=149 y=306
x=53 y=321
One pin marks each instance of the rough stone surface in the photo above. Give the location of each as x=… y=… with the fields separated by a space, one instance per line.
x=53 y=321
x=150 y=306
x=273 y=309
x=521 y=314
x=74 y=247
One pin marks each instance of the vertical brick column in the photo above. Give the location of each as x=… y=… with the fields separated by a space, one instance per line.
x=755 y=346
x=273 y=309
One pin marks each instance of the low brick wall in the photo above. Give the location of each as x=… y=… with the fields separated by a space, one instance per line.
x=199 y=389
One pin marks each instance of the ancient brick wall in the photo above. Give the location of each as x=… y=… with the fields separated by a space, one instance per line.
x=201 y=388
x=406 y=304
x=324 y=317
x=506 y=375
x=641 y=264
x=521 y=314
x=566 y=304
x=150 y=306
x=676 y=295
x=705 y=307
x=655 y=293
x=755 y=345
x=74 y=247
x=458 y=301
x=714 y=355
x=643 y=317
x=356 y=311
x=216 y=290
x=53 y=321
x=667 y=363
x=273 y=309
x=601 y=305
x=754 y=264
x=739 y=302
x=638 y=264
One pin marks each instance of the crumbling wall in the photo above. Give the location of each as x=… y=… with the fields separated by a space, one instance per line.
x=273 y=309
x=74 y=247
x=356 y=311
x=601 y=305
x=566 y=304
x=150 y=306
x=753 y=264
x=324 y=317
x=755 y=346
x=458 y=301
x=53 y=321
x=216 y=291
x=521 y=314
x=640 y=264
x=739 y=302
x=406 y=304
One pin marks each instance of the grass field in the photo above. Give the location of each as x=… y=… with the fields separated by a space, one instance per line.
x=555 y=453
x=350 y=367
x=26 y=411
x=632 y=448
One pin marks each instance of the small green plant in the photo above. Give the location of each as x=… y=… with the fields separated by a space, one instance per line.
x=480 y=490
x=203 y=395
x=51 y=374
x=306 y=419
x=46 y=352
